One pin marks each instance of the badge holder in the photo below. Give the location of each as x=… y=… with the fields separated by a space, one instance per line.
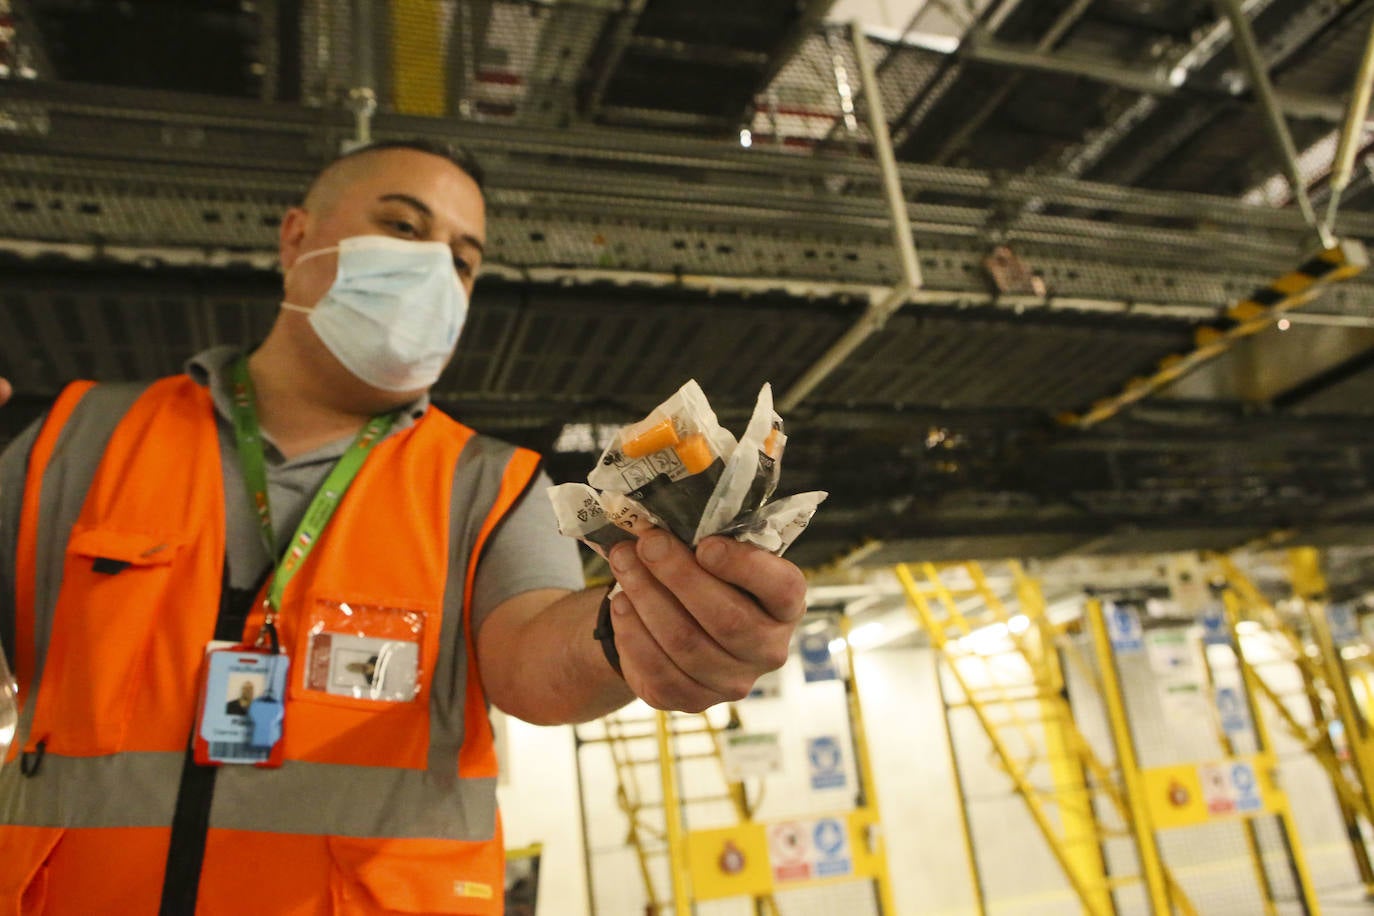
x=242 y=704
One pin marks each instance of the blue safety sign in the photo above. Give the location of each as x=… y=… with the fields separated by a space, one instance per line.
x=1231 y=709
x=818 y=664
x=832 y=845
x=1344 y=624
x=1123 y=626
x=827 y=762
x=1245 y=787
x=1215 y=632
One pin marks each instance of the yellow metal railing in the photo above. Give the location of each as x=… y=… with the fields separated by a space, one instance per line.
x=1327 y=690
x=1078 y=773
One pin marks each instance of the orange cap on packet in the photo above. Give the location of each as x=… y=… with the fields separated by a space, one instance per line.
x=655 y=438
x=695 y=453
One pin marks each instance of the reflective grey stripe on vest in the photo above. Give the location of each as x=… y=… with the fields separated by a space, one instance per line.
x=121 y=790
x=315 y=798
x=130 y=790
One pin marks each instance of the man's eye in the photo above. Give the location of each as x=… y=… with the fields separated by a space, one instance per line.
x=461 y=265
x=405 y=227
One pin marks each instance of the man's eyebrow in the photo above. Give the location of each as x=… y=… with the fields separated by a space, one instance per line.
x=422 y=207
x=412 y=201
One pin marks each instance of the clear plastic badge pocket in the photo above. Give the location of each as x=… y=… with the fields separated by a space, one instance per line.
x=364 y=651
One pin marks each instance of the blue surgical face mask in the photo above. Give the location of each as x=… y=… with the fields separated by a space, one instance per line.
x=394 y=311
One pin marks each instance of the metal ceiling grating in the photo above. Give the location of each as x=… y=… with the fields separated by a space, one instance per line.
x=617 y=347
x=957 y=363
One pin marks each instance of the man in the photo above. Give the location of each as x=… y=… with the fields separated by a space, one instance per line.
x=238 y=706
x=138 y=525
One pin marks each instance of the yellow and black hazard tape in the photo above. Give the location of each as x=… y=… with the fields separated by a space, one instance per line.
x=1249 y=316
x=1336 y=263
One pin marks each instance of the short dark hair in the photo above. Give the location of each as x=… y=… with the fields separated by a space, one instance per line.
x=458 y=155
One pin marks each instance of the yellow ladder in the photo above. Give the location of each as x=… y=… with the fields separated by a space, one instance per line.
x=1326 y=686
x=955 y=604
x=646 y=749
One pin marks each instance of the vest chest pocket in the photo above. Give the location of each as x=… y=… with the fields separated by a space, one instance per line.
x=116 y=586
x=361 y=682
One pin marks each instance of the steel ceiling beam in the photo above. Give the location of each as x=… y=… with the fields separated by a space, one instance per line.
x=1352 y=134
x=29 y=37
x=1065 y=21
x=813 y=13
x=1249 y=53
x=1149 y=81
x=1303 y=25
x=467 y=37
x=888 y=58
x=567 y=41
x=616 y=43
x=241 y=144
x=879 y=309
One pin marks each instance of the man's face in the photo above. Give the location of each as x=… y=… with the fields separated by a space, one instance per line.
x=246 y=692
x=401 y=193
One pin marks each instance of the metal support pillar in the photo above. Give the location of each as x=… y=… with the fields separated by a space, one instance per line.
x=1151 y=864
x=583 y=821
x=674 y=830
x=1297 y=862
x=961 y=795
x=868 y=793
x=1344 y=164
x=1072 y=794
x=971 y=123
x=1228 y=746
x=418 y=81
x=887 y=161
x=1310 y=584
x=1249 y=52
x=876 y=315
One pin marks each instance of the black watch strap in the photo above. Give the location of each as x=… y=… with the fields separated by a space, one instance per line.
x=605 y=634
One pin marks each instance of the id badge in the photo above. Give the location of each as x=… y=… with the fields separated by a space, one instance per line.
x=242 y=707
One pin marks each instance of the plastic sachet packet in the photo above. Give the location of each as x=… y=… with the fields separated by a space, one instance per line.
x=774 y=526
x=752 y=471
x=679 y=469
x=580 y=515
x=669 y=462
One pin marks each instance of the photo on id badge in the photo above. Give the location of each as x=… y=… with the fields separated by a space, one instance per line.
x=241 y=691
x=347 y=664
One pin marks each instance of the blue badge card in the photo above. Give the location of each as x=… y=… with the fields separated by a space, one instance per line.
x=242 y=711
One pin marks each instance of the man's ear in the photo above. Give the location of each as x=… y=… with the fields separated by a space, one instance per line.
x=293 y=226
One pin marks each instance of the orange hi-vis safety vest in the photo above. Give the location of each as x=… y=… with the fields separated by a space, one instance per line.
x=379 y=806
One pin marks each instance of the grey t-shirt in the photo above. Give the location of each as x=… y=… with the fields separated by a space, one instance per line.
x=526 y=552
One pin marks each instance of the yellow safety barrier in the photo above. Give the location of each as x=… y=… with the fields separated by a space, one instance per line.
x=1243 y=319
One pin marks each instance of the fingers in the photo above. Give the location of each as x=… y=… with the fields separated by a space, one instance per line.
x=5 y=391
x=651 y=674
x=720 y=636
x=777 y=584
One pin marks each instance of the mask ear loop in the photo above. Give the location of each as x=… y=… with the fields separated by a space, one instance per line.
x=305 y=257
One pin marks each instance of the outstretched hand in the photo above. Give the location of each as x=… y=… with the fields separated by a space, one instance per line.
x=698 y=628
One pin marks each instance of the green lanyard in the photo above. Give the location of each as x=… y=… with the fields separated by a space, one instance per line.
x=248 y=435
